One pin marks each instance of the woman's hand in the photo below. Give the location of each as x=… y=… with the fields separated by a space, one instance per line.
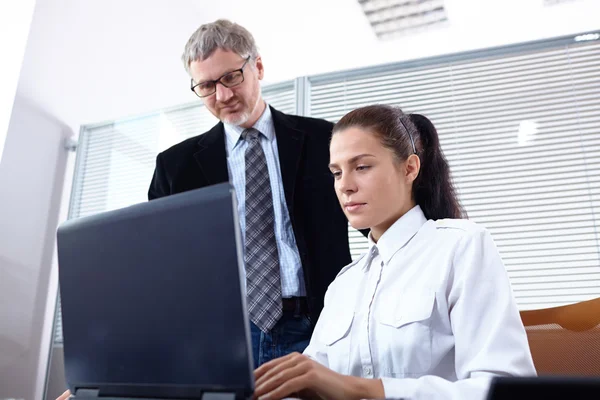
x=64 y=396
x=296 y=375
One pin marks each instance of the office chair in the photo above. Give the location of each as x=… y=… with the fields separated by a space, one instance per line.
x=565 y=340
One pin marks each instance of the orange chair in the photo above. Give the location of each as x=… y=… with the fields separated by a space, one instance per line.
x=565 y=340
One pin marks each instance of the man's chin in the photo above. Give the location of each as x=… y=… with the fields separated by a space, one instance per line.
x=238 y=118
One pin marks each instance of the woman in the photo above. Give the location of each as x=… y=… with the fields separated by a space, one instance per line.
x=427 y=311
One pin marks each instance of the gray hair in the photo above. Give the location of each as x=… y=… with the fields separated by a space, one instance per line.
x=221 y=34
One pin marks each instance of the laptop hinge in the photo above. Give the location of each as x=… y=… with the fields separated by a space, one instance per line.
x=87 y=392
x=218 y=396
x=93 y=393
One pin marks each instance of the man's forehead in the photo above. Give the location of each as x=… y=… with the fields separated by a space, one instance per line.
x=215 y=66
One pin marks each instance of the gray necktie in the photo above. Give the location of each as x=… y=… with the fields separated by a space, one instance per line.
x=261 y=256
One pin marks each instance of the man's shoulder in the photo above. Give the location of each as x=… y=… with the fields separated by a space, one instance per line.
x=306 y=124
x=186 y=147
x=314 y=127
x=313 y=122
x=316 y=131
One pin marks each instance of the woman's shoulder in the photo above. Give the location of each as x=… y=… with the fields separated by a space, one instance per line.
x=354 y=263
x=346 y=279
x=459 y=226
x=453 y=232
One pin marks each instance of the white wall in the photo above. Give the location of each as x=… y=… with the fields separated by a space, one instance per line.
x=31 y=183
x=15 y=19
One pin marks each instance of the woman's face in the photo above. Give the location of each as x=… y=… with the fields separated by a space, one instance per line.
x=372 y=186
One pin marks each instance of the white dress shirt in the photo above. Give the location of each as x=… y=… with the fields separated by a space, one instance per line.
x=292 y=277
x=428 y=309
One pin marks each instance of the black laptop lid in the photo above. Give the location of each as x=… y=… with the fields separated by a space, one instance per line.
x=152 y=300
x=545 y=387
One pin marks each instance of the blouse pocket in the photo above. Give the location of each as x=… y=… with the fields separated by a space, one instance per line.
x=405 y=336
x=336 y=337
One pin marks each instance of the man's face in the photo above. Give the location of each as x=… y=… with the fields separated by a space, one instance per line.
x=237 y=104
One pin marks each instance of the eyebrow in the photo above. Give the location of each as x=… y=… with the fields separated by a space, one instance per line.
x=225 y=73
x=214 y=80
x=222 y=75
x=353 y=159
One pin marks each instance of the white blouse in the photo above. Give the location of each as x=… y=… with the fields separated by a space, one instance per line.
x=428 y=309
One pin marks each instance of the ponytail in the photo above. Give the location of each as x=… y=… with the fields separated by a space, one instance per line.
x=433 y=189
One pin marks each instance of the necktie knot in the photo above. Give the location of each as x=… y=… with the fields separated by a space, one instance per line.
x=250 y=134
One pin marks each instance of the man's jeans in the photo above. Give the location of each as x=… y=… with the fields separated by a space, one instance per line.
x=291 y=334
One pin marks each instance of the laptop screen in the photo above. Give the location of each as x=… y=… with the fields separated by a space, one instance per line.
x=152 y=295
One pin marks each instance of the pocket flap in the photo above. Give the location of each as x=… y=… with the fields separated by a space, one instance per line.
x=337 y=328
x=412 y=307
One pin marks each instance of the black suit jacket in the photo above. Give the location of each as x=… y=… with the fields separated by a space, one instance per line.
x=320 y=227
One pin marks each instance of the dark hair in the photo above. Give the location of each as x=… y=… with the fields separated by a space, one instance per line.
x=433 y=190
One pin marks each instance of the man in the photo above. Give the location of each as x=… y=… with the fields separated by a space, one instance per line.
x=294 y=231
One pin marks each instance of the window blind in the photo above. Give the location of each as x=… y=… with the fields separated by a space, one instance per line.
x=520 y=127
x=521 y=131
x=116 y=160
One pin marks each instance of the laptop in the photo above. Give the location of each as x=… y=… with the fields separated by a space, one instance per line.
x=544 y=387
x=153 y=300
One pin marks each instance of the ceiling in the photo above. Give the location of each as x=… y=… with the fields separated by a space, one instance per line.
x=96 y=60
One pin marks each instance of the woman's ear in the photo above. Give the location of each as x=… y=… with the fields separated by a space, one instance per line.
x=413 y=166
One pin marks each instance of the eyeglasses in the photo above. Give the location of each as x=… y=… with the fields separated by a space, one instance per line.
x=229 y=80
